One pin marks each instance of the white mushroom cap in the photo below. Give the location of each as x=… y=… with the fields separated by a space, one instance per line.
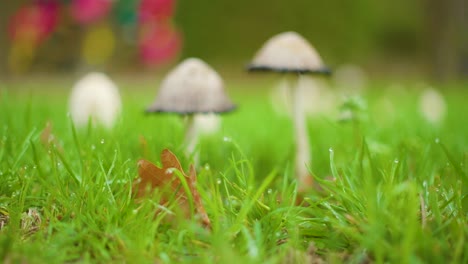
x=95 y=96
x=288 y=52
x=432 y=106
x=192 y=87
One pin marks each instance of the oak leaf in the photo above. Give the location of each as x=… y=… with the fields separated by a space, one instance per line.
x=167 y=181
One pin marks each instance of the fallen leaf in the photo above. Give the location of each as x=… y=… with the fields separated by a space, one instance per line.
x=48 y=139
x=196 y=197
x=46 y=136
x=168 y=183
x=144 y=146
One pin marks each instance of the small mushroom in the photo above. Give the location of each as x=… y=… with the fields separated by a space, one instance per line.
x=290 y=53
x=95 y=97
x=432 y=106
x=192 y=88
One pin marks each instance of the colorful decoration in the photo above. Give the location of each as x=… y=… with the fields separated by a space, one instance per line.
x=30 y=26
x=158 y=43
x=148 y=22
x=89 y=11
x=126 y=12
x=98 y=44
x=34 y=23
x=155 y=10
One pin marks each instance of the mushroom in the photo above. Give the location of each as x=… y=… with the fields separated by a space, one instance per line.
x=192 y=88
x=432 y=106
x=289 y=52
x=95 y=97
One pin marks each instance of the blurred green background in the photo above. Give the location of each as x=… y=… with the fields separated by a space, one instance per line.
x=400 y=38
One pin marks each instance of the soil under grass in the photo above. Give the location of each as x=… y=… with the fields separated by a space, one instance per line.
x=393 y=187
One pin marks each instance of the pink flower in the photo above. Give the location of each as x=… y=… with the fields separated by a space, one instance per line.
x=49 y=15
x=34 y=22
x=88 y=11
x=158 y=43
x=155 y=10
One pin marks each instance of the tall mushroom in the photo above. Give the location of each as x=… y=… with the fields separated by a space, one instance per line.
x=290 y=53
x=192 y=88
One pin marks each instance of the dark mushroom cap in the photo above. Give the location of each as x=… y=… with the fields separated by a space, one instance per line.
x=192 y=87
x=288 y=52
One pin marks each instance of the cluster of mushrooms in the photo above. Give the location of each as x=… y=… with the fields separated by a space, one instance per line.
x=193 y=88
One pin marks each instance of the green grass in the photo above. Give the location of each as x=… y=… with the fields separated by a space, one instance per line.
x=385 y=168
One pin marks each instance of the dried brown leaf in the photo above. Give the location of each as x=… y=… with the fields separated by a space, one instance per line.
x=144 y=146
x=197 y=199
x=48 y=138
x=168 y=183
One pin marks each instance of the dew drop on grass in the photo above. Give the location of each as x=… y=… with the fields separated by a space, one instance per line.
x=227 y=139
x=59 y=164
x=102 y=141
x=396 y=161
x=331 y=150
x=437 y=140
x=207 y=167
x=270 y=191
x=218 y=181
x=93 y=147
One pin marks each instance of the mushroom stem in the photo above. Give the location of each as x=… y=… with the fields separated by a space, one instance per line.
x=191 y=138
x=303 y=155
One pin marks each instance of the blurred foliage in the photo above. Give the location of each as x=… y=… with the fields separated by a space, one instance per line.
x=349 y=30
x=373 y=33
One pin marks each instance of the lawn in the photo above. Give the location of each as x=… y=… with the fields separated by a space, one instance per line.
x=393 y=187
